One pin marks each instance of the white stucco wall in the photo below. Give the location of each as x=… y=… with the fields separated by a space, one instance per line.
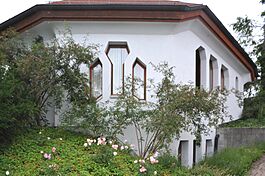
x=157 y=42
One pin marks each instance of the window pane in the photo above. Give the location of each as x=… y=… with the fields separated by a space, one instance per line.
x=117 y=57
x=211 y=75
x=236 y=83
x=139 y=81
x=97 y=81
x=222 y=79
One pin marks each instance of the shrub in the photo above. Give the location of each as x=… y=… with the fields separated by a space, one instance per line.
x=35 y=76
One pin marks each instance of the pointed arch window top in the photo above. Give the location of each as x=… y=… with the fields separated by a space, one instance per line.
x=139 y=79
x=117 y=52
x=96 y=79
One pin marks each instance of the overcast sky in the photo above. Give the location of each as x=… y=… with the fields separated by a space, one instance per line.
x=226 y=10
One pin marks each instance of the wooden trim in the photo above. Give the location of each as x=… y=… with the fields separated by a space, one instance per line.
x=138 y=61
x=134 y=15
x=94 y=64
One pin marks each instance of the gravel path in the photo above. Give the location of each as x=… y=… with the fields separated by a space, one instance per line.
x=258 y=168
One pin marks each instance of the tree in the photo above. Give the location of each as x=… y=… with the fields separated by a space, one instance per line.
x=36 y=75
x=245 y=28
x=177 y=108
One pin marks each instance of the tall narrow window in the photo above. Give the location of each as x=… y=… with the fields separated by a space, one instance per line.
x=198 y=69
x=183 y=152
x=139 y=79
x=194 y=152
x=236 y=83
x=117 y=52
x=211 y=75
x=96 y=79
x=222 y=79
x=208 y=147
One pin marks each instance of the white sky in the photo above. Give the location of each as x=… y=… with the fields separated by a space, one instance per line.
x=226 y=10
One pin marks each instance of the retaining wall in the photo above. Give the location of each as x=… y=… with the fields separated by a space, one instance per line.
x=237 y=137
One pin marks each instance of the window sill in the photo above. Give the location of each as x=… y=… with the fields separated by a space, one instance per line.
x=114 y=96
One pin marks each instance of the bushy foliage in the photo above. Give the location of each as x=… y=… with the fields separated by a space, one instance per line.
x=177 y=108
x=243 y=123
x=247 y=30
x=51 y=152
x=35 y=75
x=27 y=156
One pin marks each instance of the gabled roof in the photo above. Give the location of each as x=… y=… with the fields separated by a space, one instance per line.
x=133 y=10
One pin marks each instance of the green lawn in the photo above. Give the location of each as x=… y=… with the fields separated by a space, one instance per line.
x=236 y=161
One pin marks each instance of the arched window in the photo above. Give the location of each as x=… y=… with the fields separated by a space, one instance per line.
x=117 y=52
x=213 y=73
x=139 y=79
x=200 y=68
x=224 y=78
x=96 y=79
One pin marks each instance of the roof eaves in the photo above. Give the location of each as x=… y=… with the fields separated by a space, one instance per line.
x=128 y=7
x=230 y=37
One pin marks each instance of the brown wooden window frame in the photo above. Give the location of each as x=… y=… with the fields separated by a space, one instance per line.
x=92 y=66
x=116 y=45
x=141 y=64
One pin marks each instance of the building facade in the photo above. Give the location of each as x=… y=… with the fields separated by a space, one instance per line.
x=133 y=34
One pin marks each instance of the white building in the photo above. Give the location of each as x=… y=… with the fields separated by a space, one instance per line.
x=131 y=34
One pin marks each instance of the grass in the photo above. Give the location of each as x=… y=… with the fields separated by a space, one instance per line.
x=245 y=123
x=236 y=161
x=23 y=157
